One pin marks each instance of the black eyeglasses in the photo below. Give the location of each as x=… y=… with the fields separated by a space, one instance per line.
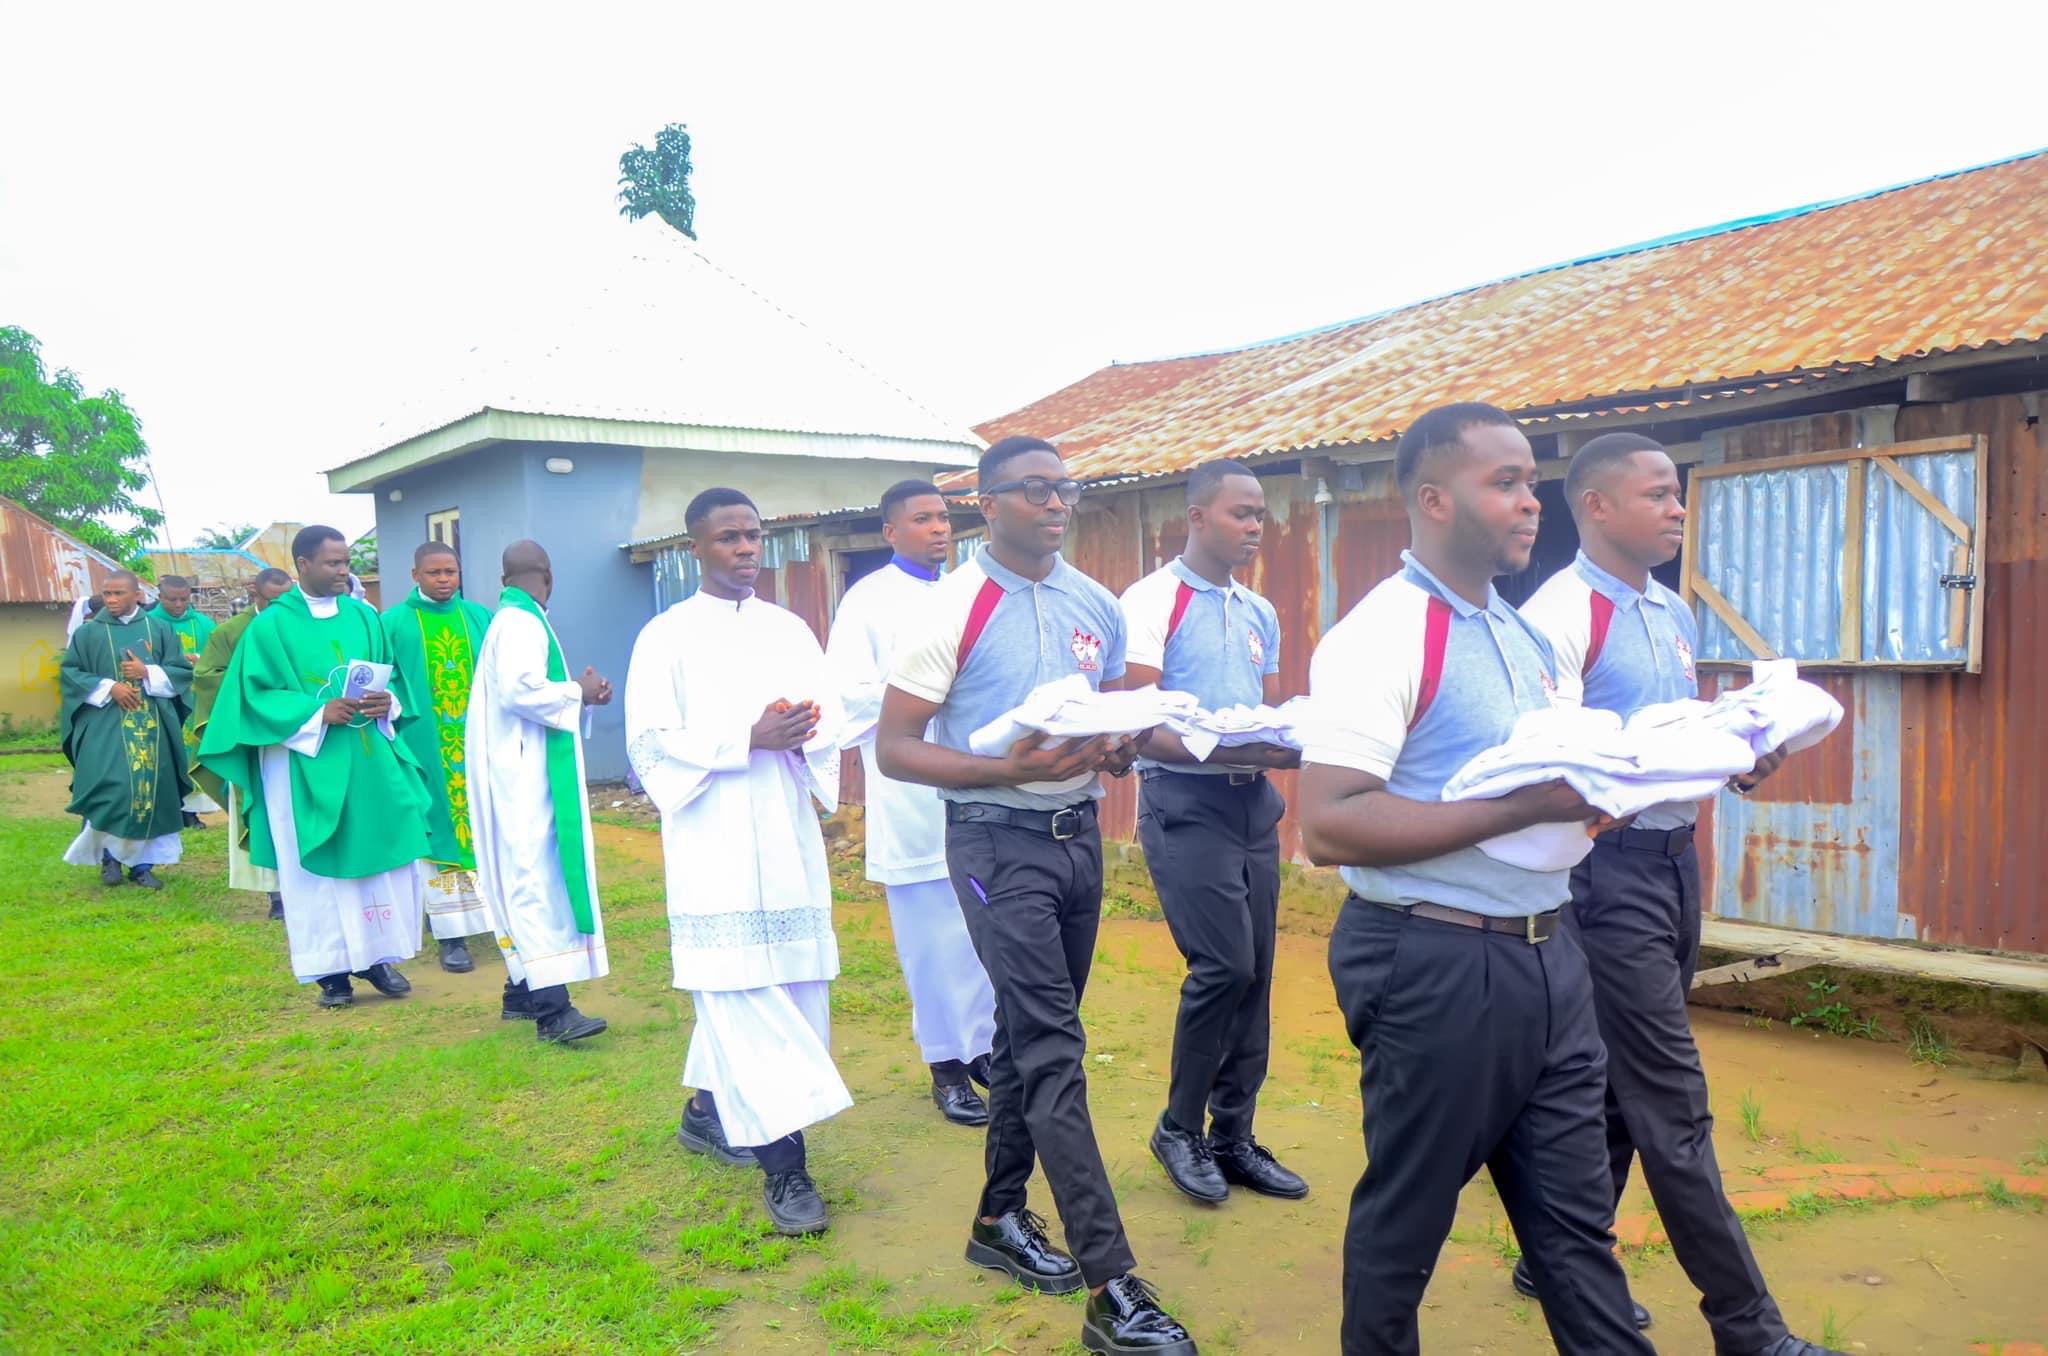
x=1038 y=490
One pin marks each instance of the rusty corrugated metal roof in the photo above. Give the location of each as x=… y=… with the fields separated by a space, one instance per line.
x=1945 y=264
x=43 y=564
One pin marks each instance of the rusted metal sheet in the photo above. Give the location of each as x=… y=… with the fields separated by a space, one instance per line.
x=40 y=564
x=1948 y=264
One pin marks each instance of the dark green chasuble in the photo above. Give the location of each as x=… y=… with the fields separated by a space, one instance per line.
x=360 y=804
x=436 y=645
x=128 y=769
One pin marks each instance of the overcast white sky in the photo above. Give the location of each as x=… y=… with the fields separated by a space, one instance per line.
x=267 y=226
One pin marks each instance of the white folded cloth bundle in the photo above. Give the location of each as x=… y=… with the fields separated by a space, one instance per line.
x=1675 y=751
x=1068 y=708
x=1205 y=731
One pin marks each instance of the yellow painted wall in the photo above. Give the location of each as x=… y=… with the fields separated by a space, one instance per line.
x=31 y=647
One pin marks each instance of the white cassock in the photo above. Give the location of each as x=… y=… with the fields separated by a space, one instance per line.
x=244 y=874
x=333 y=924
x=952 y=1006
x=749 y=895
x=512 y=706
x=454 y=907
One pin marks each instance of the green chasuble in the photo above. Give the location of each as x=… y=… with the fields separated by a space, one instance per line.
x=193 y=629
x=128 y=769
x=435 y=645
x=207 y=672
x=360 y=804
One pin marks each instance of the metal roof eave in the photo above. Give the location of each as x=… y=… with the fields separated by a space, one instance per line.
x=491 y=425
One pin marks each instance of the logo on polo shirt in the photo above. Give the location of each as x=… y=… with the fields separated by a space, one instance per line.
x=1684 y=657
x=1256 y=646
x=1087 y=651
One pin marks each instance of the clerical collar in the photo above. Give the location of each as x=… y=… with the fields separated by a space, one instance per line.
x=133 y=613
x=321 y=607
x=913 y=569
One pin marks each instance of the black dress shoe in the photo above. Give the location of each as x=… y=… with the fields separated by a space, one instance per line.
x=1789 y=1345
x=193 y=821
x=276 y=907
x=518 y=1005
x=455 y=958
x=1525 y=1284
x=794 y=1204
x=567 y=1025
x=1248 y=1163
x=1126 y=1317
x=385 y=979
x=701 y=1133
x=110 y=870
x=336 y=991
x=1017 y=1244
x=978 y=1070
x=143 y=876
x=1189 y=1164
x=960 y=1103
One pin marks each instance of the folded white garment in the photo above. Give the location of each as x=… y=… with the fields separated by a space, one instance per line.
x=1069 y=708
x=1205 y=731
x=1676 y=751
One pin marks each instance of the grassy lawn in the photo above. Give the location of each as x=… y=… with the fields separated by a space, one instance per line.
x=197 y=1158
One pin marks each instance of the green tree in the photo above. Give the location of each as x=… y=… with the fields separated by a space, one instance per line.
x=226 y=536
x=658 y=181
x=75 y=459
x=362 y=556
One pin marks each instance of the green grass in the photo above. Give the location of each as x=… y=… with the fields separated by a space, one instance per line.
x=197 y=1158
x=19 y=736
x=1752 y=1116
x=2036 y=1158
x=1926 y=1044
x=1811 y=1153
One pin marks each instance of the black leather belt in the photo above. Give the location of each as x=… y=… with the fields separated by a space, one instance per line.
x=1070 y=822
x=1532 y=928
x=1239 y=777
x=1663 y=842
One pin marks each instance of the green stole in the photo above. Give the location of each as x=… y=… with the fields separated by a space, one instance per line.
x=565 y=788
x=192 y=629
x=207 y=673
x=436 y=646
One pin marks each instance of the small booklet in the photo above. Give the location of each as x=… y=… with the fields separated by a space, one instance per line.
x=364 y=678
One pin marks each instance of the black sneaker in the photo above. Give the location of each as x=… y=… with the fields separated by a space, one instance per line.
x=276 y=907
x=1525 y=1284
x=794 y=1203
x=567 y=1025
x=701 y=1133
x=1126 y=1317
x=959 y=1103
x=1017 y=1244
x=1789 y=1345
x=1249 y=1164
x=110 y=870
x=455 y=957
x=1189 y=1164
x=336 y=991
x=143 y=876
x=385 y=979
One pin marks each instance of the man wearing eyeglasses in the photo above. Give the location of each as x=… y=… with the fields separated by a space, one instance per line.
x=1025 y=858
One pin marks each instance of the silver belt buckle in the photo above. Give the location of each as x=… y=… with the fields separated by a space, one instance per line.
x=1242 y=778
x=1057 y=816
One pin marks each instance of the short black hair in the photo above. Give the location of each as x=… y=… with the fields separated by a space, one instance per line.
x=1206 y=479
x=311 y=539
x=709 y=502
x=993 y=461
x=173 y=581
x=272 y=575
x=1437 y=431
x=1599 y=454
x=904 y=490
x=128 y=575
x=432 y=548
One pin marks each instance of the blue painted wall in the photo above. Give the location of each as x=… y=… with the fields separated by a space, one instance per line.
x=505 y=492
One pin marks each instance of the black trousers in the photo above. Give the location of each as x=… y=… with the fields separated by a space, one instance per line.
x=547 y=1002
x=1636 y=911
x=1214 y=853
x=1032 y=904
x=1478 y=1049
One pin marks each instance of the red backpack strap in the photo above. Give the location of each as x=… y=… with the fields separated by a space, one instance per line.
x=1603 y=617
x=1436 y=636
x=977 y=619
x=1182 y=596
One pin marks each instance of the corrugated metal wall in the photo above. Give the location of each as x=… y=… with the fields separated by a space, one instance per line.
x=1921 y=817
